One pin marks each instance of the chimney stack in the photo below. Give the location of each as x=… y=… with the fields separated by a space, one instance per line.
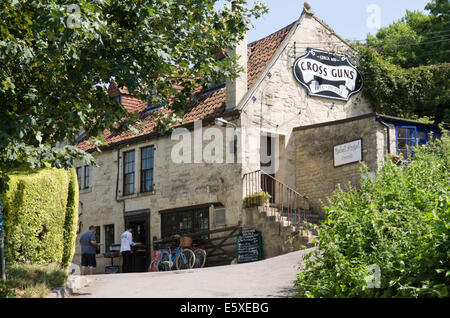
x=236 y=89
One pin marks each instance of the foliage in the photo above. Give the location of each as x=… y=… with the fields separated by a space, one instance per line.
x=40 y=215
x=34 y=281
x=406 y=65
x=398 y=221
x=257 y=199
x=71 y=219
x=6 y=291
x=420 y=91
x=416 y=39
x=56 y=58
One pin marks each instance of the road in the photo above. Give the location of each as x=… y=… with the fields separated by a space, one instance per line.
x=272 y=277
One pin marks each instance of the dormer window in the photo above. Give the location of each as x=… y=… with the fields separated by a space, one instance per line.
x=153 y=103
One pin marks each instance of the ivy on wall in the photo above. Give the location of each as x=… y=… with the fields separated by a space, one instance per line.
x=409 y=93
x=40 y=215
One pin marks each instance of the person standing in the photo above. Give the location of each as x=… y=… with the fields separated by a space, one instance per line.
x=126 y=241
x=88 y=251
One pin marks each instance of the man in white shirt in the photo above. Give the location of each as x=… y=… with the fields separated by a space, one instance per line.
x=126 y=241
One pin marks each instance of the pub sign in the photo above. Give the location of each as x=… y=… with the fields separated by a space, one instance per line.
x=327 y=75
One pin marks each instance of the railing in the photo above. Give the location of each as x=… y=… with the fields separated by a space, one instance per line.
x=291 y=204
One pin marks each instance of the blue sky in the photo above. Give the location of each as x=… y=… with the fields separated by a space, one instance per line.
x=347 y=17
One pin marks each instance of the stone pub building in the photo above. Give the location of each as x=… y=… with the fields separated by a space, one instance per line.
x=298 y=102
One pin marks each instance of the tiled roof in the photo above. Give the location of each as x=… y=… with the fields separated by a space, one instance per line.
x=210 y=103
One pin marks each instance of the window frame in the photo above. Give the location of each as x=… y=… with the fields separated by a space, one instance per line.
x=143 y=172
x=108 y=246
x=125 y=173
x=410 y=141
x=79 y=173
x=98 y=238
x=177 y=220
x=87 y=174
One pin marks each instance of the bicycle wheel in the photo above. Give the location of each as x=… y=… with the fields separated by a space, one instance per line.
x=187 y=261
x=165 y=263
x=200 y=258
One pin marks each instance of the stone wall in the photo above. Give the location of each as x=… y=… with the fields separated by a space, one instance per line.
x=315 y=173
x=277 y=238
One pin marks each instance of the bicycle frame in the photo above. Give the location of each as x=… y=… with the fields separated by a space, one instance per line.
x=172 y=259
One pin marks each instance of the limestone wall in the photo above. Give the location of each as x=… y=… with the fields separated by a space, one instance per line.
x=315 y=172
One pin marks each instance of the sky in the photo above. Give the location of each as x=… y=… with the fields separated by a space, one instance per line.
x=351 y=19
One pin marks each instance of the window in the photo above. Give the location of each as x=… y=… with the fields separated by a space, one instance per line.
x=147 y=162
x=406 y=138
x=79 y=176
x=128 y=172
x=97 y=238
x=409 y=136
x=86 y=177
x=109 y=237
x=153 y=103
x=188 y=221
x=119 y=98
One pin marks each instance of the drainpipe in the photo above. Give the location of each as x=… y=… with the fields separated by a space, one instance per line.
x=388 y=134
x=117 y=186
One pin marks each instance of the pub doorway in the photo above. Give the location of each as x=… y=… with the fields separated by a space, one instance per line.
x=141 y=234
x=268 y=164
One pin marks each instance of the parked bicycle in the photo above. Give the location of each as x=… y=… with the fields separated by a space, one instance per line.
x=200 y=254
x=184 y=258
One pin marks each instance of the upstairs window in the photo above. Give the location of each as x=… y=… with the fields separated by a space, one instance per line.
x=153 y=103
x=79 y=176
x=86 y=177
x=147 y=163
x=128 y=172
x=119 y=98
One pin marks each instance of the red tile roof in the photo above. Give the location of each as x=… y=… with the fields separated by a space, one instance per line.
x=210 y=103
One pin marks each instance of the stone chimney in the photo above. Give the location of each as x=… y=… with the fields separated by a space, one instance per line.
x=236 y=89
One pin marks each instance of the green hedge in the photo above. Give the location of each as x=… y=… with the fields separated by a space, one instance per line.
x=40 y=215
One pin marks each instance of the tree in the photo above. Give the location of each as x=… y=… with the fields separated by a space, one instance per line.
x=417 y=39
x=56 y=59
x=406 y=65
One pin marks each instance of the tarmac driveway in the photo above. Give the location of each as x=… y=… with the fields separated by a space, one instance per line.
x=272 y=277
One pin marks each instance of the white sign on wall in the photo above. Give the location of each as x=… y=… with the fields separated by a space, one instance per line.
x=347 y=153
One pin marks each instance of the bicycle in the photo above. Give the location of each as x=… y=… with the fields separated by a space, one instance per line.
x=200 y=255
x=153 y=267
x=184 y=258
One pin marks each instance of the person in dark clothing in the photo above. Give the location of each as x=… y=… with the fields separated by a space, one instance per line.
x=88 y=251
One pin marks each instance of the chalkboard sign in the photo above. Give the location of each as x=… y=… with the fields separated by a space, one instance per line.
x=249 y=246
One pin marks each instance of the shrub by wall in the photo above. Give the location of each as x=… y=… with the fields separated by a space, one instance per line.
x=397 y=223
x=40 y=215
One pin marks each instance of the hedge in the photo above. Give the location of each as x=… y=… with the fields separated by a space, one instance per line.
x=40 y=210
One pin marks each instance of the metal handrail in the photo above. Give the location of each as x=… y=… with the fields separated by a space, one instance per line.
x=283 y=196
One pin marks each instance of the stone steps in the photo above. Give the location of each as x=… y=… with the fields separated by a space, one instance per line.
x=272 y=214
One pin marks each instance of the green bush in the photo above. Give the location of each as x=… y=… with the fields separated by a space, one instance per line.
x=398 y=221
x=40 y=215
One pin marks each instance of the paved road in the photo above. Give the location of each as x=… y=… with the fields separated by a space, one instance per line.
x=273 y=277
